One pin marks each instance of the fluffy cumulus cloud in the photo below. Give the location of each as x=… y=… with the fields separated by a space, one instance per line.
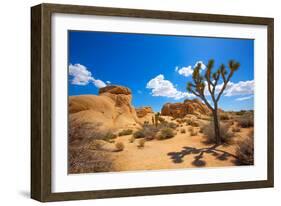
x=164 y=88
x=235 y=89
x=82 y=76
x=188 y=71
x=185 y=71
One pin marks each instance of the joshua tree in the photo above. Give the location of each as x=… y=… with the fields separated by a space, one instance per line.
x=210 y=81
x=157 y=115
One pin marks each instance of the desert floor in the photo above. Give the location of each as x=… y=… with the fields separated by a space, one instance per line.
x=172 y=153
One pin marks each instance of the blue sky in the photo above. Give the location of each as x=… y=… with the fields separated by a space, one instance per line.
x=156 y=67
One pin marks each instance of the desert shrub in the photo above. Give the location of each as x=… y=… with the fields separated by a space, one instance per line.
x=192 y=131
x=171 y=125
x=78 y=131
x=245 y=151
x=241 y=112
x=192 y=123
x=210 y=138
x=95 y=145
x=148 y=132
x=132 y=139
x=125 y=132
x=81 y=160
x=141 y=143
x=139 y=134
x=188 y=122
x=165 y=133
x=108 y=136
x=183 y=131
x=235 y=129
x=246 y=122
x=224 y=116
x=119 y=146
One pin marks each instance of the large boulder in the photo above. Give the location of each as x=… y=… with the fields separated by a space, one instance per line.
x=180 y=110
x=111 y=109
x=143 y=111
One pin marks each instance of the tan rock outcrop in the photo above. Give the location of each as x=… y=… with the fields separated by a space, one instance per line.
x=111 y=109
x=143 y=111
x=179 y=110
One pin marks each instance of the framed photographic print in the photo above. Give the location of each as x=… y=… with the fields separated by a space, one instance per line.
x=132 y=102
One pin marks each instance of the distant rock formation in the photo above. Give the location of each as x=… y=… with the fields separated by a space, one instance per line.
x=112 y=108
x=179 y=110
x=143 y=111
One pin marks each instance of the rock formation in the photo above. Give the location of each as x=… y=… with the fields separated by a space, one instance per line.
x=111 y=109
x=179 y=110
x=143 y=111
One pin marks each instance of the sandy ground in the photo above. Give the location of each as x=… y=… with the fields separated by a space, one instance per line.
x=172 y=153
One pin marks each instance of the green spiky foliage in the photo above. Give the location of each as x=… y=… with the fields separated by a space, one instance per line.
x=156 y=118
x=208 y=83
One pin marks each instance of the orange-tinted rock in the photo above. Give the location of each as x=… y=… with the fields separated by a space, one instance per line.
x=143 y=111
x=179 y=110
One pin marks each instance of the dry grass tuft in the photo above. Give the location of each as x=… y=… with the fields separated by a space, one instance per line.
x=81 y=160
x=245 y=151
x=183 y=131
x=192 y=131
x=210 y=138
x=165 y=133
x=119 y=146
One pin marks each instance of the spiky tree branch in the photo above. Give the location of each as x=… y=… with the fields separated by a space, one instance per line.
x=212 y=78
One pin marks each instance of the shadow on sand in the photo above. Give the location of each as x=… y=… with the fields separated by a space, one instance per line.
x=177 y=157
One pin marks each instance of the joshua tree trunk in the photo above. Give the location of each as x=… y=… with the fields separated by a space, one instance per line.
x=217 y=127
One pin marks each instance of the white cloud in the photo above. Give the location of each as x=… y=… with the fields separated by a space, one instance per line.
x=185 y=71
x=82 y=76
x=165 y=88
x=203 y=66
x=98 y=83
x=108 y=82
x=244 y=98
x=234 y=89
x=188 y=71
x=240 y=88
